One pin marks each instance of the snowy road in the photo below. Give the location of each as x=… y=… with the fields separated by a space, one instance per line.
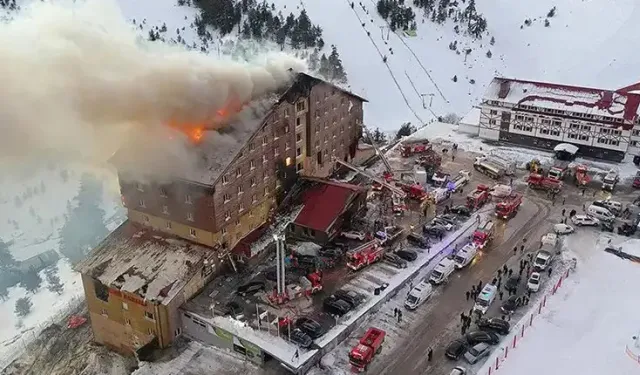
x=441 y=323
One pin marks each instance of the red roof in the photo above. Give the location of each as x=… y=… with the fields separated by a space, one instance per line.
x=324 y=203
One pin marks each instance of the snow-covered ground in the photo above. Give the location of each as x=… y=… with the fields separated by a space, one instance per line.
x=587 y=325
x=34 y=203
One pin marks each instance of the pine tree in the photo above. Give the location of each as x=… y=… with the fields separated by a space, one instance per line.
x=325 y=69
x=379 y=136
x=6 y=258
x=314 y=60
x=552 y=12
x=84 y=226
x=336 y=69
x=31 y=281
x=405 y=130
x=493 y=40
x=23 y=306
x=53 y=280
x=489 y=54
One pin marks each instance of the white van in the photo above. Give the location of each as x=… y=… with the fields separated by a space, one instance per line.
x=440 y=195
x=610 y=180
x=418 y=295
x=600 y=213
x=549 y=239
x=543 y=260
x=485 y=298
x=613 y=206
x=465 y=255
x=442 y=271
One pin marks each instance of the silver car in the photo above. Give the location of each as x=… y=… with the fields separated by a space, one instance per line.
x=476 y=353
x=458 y=370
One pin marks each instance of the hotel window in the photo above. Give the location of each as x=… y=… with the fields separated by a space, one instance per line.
x=276 y=151
x=253 y=181
x=149 y=315
x=254 y=198
x=238 y=172
x=264 y=158
x=286 y=112
x=140 y=187
x=544 y=131
x=557 y=123
x=286 y=129
x=635 y=132
x=492 y=122
x=298 y=137
x=287 y=145
x=237 y=222
x=555 y=132
x=241 y=207
x=167 y=225
x=298 y=121
x=520 y=118
x=227 y=216
x=127 y=321
x=317 y=113
x=584 y=137
x=240 y=189
x=189 y=216
x=545 y=121
x=572 y=136
x=223 y=231
x=226 y=198
x=163 y=192
x=251 y=146
x=141 y=203
x=493 y=112
x=252 y=164
x=225 y=180
x=299 y=167
x=187 y=199
x=264 y=140
x=165 y=210
x=265 y=175
x=298 y=151
x=300 y=106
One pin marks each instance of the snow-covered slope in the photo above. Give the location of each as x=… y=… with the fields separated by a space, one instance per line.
x=588 y=42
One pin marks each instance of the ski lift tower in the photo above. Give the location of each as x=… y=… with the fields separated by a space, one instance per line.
x=281 y=295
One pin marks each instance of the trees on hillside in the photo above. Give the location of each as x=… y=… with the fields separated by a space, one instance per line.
x=405 y=130
x=331 y=67
x=23 y=306
x=6 y=258
x=396 y=13
x=54 y=284
x=31 y=281
x=84 y=226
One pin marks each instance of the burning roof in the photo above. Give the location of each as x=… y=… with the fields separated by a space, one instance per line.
x=151 y=265
x=618 y=106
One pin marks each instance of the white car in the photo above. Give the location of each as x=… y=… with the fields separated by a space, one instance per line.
x=581 y=220
x=458 y=370
x=501 y=191
x=563 y=229
x=533 y=284
x=354 y=235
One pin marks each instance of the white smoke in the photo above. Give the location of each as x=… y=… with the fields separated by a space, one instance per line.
x=76 y=75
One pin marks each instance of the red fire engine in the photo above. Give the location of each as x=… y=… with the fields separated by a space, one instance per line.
x=509 y=206
x=364 y=255
x=407 y=150
x=539 y=182
x=413 y=191
x=478 y=197
x=369 y=345
x=483 y=235
x=559 y=170
x=582 y=176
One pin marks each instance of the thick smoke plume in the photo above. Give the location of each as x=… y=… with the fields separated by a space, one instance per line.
x=76 y=78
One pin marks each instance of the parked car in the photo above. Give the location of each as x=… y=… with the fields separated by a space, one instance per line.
x=476 y=337
x=613 y=206
x=301 y=339
x=408 y=255
x=438 y=221
x=533 y=284
x=450 y=218
x=512 y=283
x=354 y=235
x=477 y=352
x=330 y=252
x=510 y=305
x=251 y=288
x=310 y=327
x=585 y=220
x=563 y=229
x=335 y=306
x=434 y=230
x=458 y=370
x=349 y=296
x=607 y=226
x=455 y=349
x=496 y=325
x=461 y=211
x=418 y=240
x=394 y=260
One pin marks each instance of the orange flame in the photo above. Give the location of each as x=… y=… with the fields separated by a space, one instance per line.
x=196 y=132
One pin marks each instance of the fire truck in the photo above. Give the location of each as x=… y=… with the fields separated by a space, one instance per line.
x=540 y=182
x=478 y=197
x=509 y=206
x=306 y=286
x=413 y=191
x=489 y=168
x=559 y=170
x=410 y=149
x=483 y=235
x=440 y=179
x=364 y=255
x=366 y=349
x=582 y=176
x=461 y=179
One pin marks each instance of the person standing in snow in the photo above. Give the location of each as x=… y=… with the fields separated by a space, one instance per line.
x=563 y=211
x=500 y=294
x=429 y=354
x=468 y=295
x=549 y=272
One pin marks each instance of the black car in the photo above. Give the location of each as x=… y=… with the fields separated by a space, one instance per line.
x=418 y=240
x=606 y=226
x=408 y=255
x=510 y=305
x=394 y=260
x=310 y=327
x=476 y=337
x=348 y=296
x=461 y=211
x=330 y=252
x=512 y=283
x=301 y=339
x=626 y=229
x=455 y=349
x=251 y=288
x=449 y=218
x=494 y=324
x=335 y=306
x=434 y=230
x=308 y=261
